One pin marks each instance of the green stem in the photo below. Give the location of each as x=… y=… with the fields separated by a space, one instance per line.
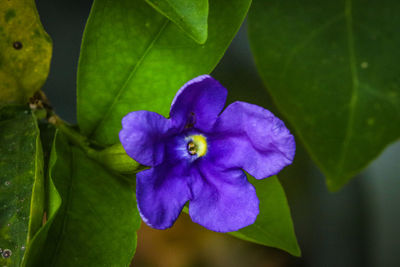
x=74 y=136
x=113 y=157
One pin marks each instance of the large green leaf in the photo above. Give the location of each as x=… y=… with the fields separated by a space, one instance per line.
x=25 y=51
x=133 y=58
x=97 y=222
x=332 y=69
x=21 y=182
x=190 y=16
x=273 y=226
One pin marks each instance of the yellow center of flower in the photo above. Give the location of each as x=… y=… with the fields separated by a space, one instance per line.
x=197 y=145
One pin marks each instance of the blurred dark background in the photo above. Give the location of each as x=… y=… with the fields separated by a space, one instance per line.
x=358 y=226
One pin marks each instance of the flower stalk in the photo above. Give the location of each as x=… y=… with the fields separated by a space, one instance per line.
x=113 y=157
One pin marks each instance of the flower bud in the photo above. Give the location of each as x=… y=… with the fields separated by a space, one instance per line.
x=115 y=158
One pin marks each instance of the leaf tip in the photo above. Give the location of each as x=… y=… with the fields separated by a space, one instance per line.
x=296 y=251
x=200 y=37
x=334 y=184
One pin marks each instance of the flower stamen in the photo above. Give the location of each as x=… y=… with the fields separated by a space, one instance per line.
x=192 y=148
x=197 y=145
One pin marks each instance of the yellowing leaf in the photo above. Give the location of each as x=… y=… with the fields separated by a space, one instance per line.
x=25 y=51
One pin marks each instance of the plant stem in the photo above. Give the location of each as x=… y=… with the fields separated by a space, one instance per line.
x=113 y=157
x=74 y=136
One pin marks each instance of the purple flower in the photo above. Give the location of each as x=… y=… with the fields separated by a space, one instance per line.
x=198 y=155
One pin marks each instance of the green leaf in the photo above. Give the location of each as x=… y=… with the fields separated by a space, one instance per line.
x=97 y=222
x=190 y=16
x=332 y=69
x=21 y=182
x=25 y=51
x=273 y=226
x=133 y=58
x=53 y=199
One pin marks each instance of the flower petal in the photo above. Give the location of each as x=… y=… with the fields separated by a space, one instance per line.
x=252 y=138
x=161 y=193
x=141 y=136
x=198 y=103
x=223 y=200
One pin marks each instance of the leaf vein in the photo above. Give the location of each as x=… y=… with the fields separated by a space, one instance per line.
x=355 y=84
x=308 y=38
x=130 y=77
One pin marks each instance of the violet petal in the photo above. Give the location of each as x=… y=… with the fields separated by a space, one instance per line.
x=161 y=193
x=198 y=103
x=141 y=136
x=223 y=200
x=250 y=137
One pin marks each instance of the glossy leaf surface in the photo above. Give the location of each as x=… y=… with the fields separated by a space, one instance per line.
x=25 y=51
x=97 y=221
x=190 y=16
x=328 y=67
x=53 y=199
x=273 y=226
x=133 y=58
x=21 y=182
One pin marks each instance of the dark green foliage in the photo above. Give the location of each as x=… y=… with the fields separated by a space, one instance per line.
x=96 y=221
x=328 y=67
x=21 y=182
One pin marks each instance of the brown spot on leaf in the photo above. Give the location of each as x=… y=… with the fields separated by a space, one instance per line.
x=17 y=45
